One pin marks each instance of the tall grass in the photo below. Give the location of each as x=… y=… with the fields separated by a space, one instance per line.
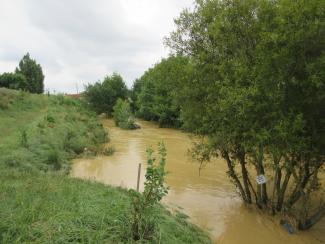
x=46 y=132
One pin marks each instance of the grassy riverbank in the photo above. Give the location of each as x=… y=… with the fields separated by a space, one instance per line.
x=39 y=202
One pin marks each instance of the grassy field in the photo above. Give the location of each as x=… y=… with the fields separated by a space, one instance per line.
x=39 y=203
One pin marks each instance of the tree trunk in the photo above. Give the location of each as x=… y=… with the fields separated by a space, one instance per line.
x=277 y=184
x=254 y=192
x=312 y=220
x=233 y=175
x=245 y=177
x=298 y=191
x=282 y=191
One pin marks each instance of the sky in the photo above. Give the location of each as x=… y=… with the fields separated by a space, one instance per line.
x=81 y=41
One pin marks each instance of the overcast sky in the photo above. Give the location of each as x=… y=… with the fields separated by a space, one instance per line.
x=81 y=41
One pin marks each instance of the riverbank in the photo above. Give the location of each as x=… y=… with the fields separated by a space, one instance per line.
x=39 y=202
x=209 y=198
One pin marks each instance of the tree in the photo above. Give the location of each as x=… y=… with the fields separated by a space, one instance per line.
x=102 y=96
x=156 y=92
x=13 y=81
x=33 y=73
x=256 y=93
x=122 y=115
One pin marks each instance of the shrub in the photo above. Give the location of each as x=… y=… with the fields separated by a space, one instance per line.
x=122 y=115
x=102 y=96
x=6 y=98
x=77 y=144
x=13 y=81
x=23 y=138
x=53 y=159
x=144 y=219
x=50 y=119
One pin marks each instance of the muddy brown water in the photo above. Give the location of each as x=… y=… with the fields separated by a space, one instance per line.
x=209 y=199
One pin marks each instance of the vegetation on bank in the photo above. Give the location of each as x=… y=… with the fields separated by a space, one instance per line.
x=248 y=76
x=40 y=203
x=44 y=133
x=102 y=96
x=144 y=219
x=155 y=94
x=123 y=116
x=28 y=76
x=111 y=97
x=47 y=208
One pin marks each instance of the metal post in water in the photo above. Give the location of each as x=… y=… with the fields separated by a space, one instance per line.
x=138 y=182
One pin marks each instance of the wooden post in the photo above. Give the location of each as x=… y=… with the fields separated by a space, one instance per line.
x=139 y=172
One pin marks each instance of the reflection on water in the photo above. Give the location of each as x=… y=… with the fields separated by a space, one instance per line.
x=209 y=198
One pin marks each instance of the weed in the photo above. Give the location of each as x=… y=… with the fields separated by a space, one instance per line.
x=50 y=119
x=53 y=159
x=108 y=151
x=24 y=138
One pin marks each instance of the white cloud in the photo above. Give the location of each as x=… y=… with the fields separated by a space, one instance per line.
x=81 y=41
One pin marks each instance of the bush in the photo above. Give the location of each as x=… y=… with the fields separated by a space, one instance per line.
x=77 y=144
x=122 y=115
x=13 y=81
x=102 y=96
x=53 y=159
x=144 y=219
x=6 y=98
x=50 y=119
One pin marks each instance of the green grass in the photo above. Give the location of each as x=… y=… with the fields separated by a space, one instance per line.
x=44 y=133
x=39 y=203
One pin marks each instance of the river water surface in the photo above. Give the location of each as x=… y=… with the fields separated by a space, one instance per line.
x=209 y=199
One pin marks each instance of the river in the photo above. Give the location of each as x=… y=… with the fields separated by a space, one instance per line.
x=209 y=199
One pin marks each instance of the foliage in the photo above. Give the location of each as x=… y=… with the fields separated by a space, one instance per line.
x=40 y=132
x=33 y=73
x=6 y=98
x=24 y=138
x=43 y=208
x=122 y=115
x=39 y=204
x=13 y=81
x=102 y=96
x=144 y=219
x=155 y=94
x=257 y=92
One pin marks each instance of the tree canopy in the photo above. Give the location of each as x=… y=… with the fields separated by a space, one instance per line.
x=257 y=93
x=156 y=92
x=13 y=81
x=33 y=74
x=103 y=95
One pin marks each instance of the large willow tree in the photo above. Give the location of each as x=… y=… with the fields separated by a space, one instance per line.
x=257 y=95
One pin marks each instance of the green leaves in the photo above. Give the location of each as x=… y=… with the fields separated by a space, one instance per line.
x=33 y=73
x=102 y=96
x=256 y=88
x=144 y=218
x=13 y=81
x=157 y=92
x=122 y=115
x=155 y=187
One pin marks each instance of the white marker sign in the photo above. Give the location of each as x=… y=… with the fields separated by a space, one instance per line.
x=260 y=179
